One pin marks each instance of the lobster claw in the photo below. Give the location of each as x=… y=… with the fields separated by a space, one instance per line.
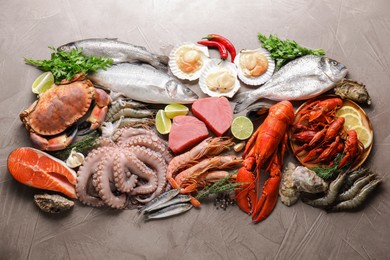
x=270 y=193
x=246 y=196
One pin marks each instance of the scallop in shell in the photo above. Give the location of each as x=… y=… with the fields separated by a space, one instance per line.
x=219 y=78
x=255 y=67
x=187 y=60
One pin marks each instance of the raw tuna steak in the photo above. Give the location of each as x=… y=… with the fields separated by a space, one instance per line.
x=216 y=112
x=186 y=132
x=37 y=169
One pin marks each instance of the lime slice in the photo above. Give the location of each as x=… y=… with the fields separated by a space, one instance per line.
x=173 y=110
x=242 y=127
x=42 y=83
x=347 y=110
x=163 y=123
x=351 y=120
x=364 y=135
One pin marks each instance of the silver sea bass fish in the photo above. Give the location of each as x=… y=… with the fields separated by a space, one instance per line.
x=118 y=51
x=143 y=83
x=300 y=79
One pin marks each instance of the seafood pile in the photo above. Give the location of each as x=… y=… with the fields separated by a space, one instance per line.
x=127 y=165
x=320 y=134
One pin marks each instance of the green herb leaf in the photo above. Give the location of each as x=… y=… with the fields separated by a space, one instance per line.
x=64 y=65
x=283 y=51
x=222 y=185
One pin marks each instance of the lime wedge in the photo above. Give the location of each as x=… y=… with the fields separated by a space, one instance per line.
x=242 y=127
x=163 y=123
x=173 y=110
x=42 y=83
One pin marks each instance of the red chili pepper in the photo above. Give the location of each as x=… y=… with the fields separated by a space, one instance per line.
x=222 y=49
x=229 y=46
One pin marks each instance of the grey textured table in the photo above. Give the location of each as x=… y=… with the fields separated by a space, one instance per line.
x=356 y=33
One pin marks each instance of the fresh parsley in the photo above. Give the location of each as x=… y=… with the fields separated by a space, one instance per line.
x=64 y=65
x=283 y=51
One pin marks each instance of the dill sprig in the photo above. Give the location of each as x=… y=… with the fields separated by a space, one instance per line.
x=222 y=185
x=328 y=173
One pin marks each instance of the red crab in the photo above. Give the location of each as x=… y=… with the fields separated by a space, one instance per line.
x=60 y=107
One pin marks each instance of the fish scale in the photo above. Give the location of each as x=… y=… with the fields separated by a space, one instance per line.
x=300 y=79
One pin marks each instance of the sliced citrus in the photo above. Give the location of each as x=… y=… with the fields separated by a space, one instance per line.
x=242 y=127
x=351 y=120
x=347 y=110
x=42 y=83
x=364 y=135
x=163 y=123
x=173 y=110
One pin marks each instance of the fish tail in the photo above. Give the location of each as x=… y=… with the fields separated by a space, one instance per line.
x=243 y=100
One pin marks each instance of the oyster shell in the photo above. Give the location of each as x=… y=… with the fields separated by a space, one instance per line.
x=187 y=60
x=219 y=78
x=299 y=179
x=252 y=72
x=52 y=203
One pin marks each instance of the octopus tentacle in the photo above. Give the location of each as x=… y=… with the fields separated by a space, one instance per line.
x=103 y=178
x=85 y=175
x=125 y=181
x=151 y=141
x=153 y=159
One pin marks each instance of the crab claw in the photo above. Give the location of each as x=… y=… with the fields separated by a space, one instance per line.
x=53 y=144
x=100 y=110
x=246 y=196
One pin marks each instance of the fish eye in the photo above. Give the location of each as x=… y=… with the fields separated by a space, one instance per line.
x=334 y=63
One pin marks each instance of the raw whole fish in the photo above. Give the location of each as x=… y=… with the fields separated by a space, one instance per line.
x=143 y=83
x=300 y=79
x=40 y=170
x=118 y=51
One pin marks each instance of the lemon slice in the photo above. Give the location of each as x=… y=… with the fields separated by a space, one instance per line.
x=163 y=123
x=364 y=135
x=351 y=120
x=42 y=83
x=242 y=127
x=173 y=110
x=347 y=110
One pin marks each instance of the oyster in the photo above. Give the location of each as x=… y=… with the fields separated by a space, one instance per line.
x=353 y=90
x=299 y=179
x=187 y=60
x=255 y=67
x=52 y=203
x=219 y=78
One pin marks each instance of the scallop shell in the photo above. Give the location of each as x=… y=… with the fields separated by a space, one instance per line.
x=183 y=75
x=212 y=66
x=256 y=81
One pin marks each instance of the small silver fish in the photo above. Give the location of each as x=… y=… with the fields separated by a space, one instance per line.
x=52 y=203
x=166 y=196
x=143 y=83
x=303 y=78
x=118 y=51
x=170 y=211
x=176 y=200
x=353 y=90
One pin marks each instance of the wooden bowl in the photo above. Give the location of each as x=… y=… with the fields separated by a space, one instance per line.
x=365 y=122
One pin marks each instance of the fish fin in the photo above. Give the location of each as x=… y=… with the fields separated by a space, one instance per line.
x=243 y=100
x=163 y=59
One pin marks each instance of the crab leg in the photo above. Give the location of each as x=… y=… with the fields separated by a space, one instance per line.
x=53 y=144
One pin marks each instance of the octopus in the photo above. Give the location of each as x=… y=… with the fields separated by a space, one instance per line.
x=127 y=169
